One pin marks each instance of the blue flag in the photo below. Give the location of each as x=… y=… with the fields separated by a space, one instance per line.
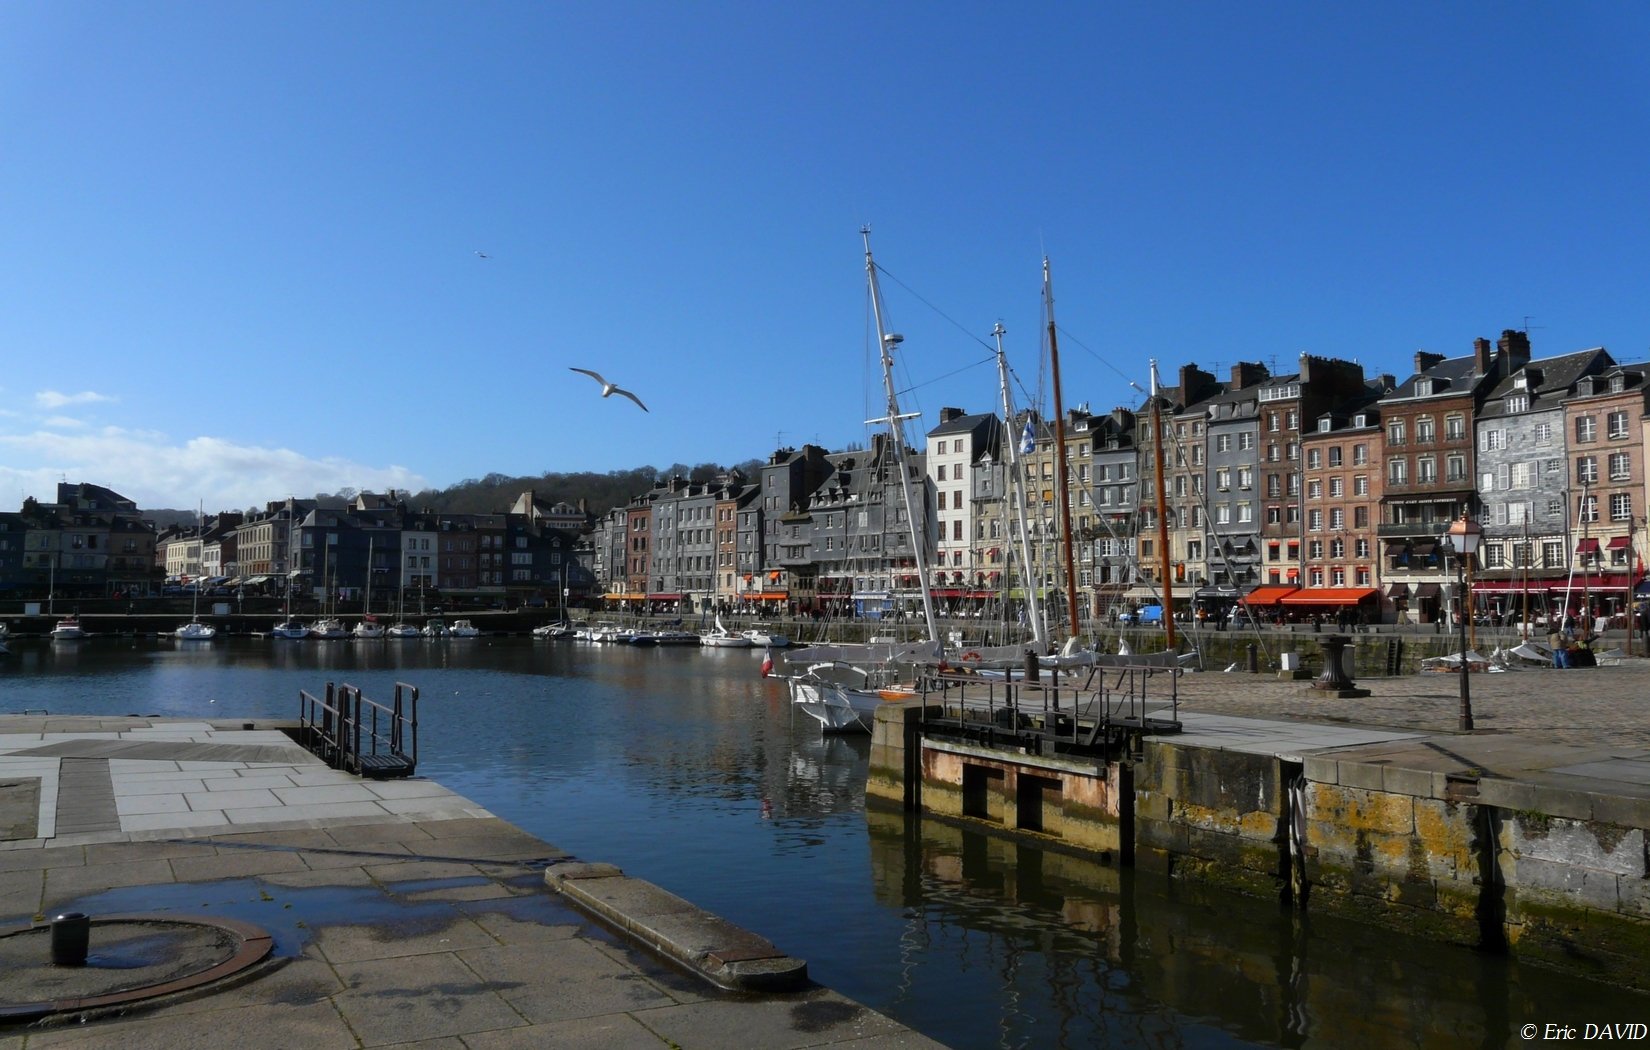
x=1028 y=440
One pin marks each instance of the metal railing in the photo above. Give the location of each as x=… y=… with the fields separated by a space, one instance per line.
x=361 y=736
x=1117 y=703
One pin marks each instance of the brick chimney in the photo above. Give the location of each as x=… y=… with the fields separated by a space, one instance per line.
x=1516 y=345
x=1424 y=360
x=1248 y=373
x=1481 y=355
x=948 y=414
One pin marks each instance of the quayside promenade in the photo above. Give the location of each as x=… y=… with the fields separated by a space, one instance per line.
x=346 y=913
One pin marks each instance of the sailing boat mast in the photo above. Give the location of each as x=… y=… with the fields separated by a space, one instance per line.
x=886 y=341
x=1158 y=435
x=1060 y=453
x=1016 y=485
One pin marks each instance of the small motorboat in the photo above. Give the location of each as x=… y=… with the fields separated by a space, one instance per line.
x=328 y=629
x=464 y=629
x=290 y=629
x=68 y=629
x=195 y=631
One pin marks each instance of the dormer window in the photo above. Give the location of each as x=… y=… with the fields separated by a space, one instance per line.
x=1360 y=420
x=1618 y=384
x=1423 y=388
x=1324 y=425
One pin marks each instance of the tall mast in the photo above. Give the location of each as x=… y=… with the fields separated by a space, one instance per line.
x=886 y=341
x=1016 y=485
x=1060 y=454
x=1162 y=512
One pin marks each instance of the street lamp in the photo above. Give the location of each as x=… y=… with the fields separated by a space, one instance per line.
x=1462 y=539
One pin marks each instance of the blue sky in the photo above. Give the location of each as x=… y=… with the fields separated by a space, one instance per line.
x=238 y=242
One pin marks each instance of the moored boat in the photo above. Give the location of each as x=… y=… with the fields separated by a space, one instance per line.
x=195 y=631
x=290 y=629
x=328 y=629
x=67 y=629
x=464 y=629
x=368 y=628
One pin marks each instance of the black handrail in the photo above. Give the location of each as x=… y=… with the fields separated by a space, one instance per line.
x=361 y=736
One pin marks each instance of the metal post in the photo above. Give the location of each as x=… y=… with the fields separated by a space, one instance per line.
x=1466 y=688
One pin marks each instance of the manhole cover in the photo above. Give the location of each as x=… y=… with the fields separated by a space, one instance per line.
x=129 y=958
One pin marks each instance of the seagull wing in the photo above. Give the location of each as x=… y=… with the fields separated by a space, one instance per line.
x=593 y=375
x=632 y=397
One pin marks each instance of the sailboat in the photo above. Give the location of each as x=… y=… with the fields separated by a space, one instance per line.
x=194 y=630
x=821 y=691
x=369 y=628
x=328 y=627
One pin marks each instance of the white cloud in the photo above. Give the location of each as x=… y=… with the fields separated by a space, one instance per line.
x=156 y=472
x=64 y=422
x=54 y=399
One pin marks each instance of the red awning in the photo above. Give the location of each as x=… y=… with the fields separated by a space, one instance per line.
x=946 y=593
x=1515 y=586
x=1329 y=596
x=664 y=597
x=1587 y=547
x=1609 y=581
x=1618 y=542
x=1269 y=594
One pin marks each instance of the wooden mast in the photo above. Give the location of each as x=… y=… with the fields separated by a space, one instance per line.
x=1162 y=513
x=1060 y=455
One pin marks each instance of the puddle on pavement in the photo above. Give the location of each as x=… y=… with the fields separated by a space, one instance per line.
x=291 y=914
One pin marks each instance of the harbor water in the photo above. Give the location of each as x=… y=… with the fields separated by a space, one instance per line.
x=685 y=767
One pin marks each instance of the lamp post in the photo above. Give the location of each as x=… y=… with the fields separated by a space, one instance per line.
x=1462 y=539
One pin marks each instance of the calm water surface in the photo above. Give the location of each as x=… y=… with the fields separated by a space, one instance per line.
x=686 y=768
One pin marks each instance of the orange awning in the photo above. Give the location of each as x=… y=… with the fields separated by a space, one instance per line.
x=1329 y=596
x=1269 y=594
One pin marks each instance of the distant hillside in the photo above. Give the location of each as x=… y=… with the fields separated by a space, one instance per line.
x=601 y=492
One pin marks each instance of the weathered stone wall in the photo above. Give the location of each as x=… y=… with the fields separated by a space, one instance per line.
x=1214 y=815
x=1077 y=803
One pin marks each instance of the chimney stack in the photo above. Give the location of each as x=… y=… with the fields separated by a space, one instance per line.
x=1481 y=355
x=948 y=414
x=1424 y=360
x=1516 y=346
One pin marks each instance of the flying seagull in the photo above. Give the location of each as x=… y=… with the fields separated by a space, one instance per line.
x=609 y=389
x=483 y=255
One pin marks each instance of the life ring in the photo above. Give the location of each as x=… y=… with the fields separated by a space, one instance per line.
x=971 y=657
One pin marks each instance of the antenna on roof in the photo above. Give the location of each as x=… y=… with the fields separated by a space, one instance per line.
x=1526 y=328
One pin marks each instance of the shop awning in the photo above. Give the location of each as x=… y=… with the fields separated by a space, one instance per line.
x=1610 y=581
x=1395 y=549
x=664 y=597
x=946 y=593
x=625 y=597
x=1586 y=546
x=1428 y=590
x=1269 y=594
x=765 y=596
x=1397 y=590
x=1329 y=596
x=1424 y=548
x=1618 y=542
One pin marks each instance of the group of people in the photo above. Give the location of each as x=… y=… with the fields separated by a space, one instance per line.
x=1572 y=645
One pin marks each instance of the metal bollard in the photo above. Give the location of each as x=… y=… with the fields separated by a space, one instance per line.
x=71 y=937
x=1252 y=660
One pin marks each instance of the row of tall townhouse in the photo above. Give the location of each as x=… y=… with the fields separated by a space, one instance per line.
x=1324 y=482
x=94 y=543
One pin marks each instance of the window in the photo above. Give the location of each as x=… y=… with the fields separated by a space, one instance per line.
x=1397 y=472
x=1314 y=489
x=1455 y=467
x=1335 y=487
x=1360 y=520
x=1543 y=433
x=1246 y=512
x=1494 y=440
x=1522 y=475
x=1360 y=455
x=1586 y=470
x=1586 y=428
x=1335 y=456
x=1587 y=509
x=1616 y=425
x=1426 y=470
x=1223 y=478
x=1314 y=459
x=1455 y=427
x=1621 y=506
x=1314 y=521
x=1223 y=443
x=1552 y=554
x=1246 y=440
x=1246 y=477
x=1337 y=521
x=1426 y=430
x=1619 y=466
x=1517 y=403
x=1314 y=550
x=1395 y=431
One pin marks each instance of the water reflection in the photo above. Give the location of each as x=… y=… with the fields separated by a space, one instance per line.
x=688 y=769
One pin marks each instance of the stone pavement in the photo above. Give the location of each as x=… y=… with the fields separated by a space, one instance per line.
x=1573 y=743
x=401 y=914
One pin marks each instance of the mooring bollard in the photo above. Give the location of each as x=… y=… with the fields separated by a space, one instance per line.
x=1253 y=657
x=71 y=937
